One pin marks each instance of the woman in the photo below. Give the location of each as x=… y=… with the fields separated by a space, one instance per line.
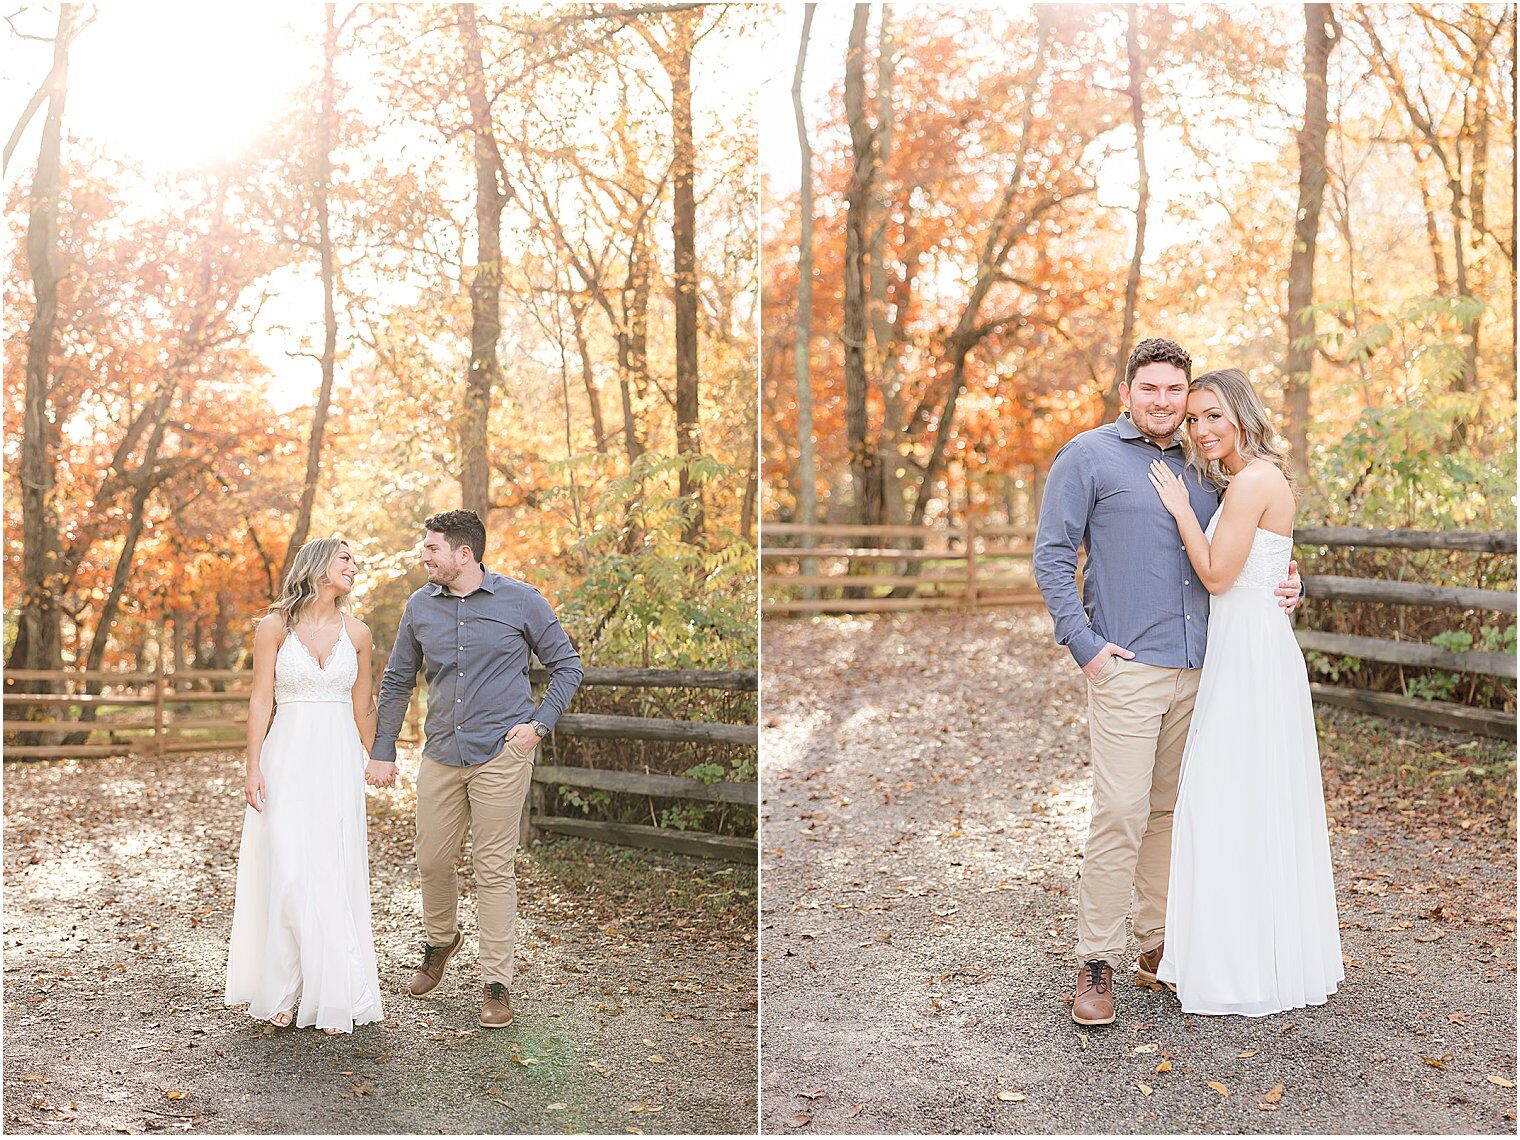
x=301 y=921
x=1251 y=922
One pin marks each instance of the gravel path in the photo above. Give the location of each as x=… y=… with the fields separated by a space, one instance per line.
x=635 y=1012
x=925 y=805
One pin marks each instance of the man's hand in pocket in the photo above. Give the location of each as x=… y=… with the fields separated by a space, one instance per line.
x=1095 y=666
x=523 y=738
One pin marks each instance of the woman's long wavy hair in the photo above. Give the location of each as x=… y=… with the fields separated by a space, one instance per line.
x=308 y=572
x=1255 y=437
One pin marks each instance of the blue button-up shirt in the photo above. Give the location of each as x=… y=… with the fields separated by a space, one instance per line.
x=1139 y=590
x=474 y=652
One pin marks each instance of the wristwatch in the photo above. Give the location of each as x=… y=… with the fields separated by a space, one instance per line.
x=540 y=727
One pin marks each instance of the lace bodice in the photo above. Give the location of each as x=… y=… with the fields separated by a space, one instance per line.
x=299 y=677
x=1267 y=563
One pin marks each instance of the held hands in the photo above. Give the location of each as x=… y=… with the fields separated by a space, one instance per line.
x=1095 y=666
x=380 y=773
x=1174 y=496
x=1287 y=592
x=253 y=790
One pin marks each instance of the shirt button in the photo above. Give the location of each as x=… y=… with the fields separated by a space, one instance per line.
x=458 y=700
x=1187 y=617
x=461 y=674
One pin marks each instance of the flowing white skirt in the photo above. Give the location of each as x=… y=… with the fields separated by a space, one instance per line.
x=1251 y=920
x=301 y=919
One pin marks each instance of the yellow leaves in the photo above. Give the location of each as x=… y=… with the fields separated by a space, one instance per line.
x=1145 y=1089
x=1247 y=1054
x=1502 y=1082
x=1014 y=1097
x=34 y=1077
x=1269 y=1103
x=1219 y=1087
x=1164 y=1067
x=1437 y=1062
x=172 y=1094
x=655 y=1059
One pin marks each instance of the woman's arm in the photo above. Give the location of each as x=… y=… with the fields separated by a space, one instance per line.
x=1218 y=564
x=365 y=717
x=266 y=645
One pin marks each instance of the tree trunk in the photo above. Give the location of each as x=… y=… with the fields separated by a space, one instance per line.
x=802 y=366
x=677 y=61
x=884 y=360
x=1132 y=283
x=1319 y=40
x=492 y=190
x=588 y=378
x=38 y=643
x=857 y=206
x=633 y=345
x=326 y=118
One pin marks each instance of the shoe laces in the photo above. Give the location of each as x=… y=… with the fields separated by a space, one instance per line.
x=429 y=952
x=1095 y=975
x=495 y=991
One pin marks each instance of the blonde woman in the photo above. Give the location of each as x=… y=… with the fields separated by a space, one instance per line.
x=1251 y=921
x=302 y=948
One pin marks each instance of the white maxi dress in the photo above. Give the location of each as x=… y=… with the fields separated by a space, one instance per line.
x=1251 y=920
x=301 y=919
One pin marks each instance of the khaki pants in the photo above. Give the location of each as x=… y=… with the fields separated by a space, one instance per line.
x=1138 y=718
x=488 y=800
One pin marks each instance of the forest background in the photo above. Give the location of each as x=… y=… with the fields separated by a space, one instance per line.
x=383 y=261
x=972 y=215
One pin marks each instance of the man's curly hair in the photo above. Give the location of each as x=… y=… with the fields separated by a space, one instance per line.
x=460 y=528
x=1158 y=350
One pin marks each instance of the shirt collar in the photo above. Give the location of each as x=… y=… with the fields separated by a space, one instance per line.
x=1128 y=430
x=487 y=583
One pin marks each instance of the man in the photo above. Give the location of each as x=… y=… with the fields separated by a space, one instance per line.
x=471 y=631
x=1138 y=631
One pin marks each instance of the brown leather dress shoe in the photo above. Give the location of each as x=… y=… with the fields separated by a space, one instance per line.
x=496 y=1012
x=1150 y=960
x=434 y=959
x=1094 y=1003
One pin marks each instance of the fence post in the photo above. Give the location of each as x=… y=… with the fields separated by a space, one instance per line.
x=158 y=706
x=971 y=562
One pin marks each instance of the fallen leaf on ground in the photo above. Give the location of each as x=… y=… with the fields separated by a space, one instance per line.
x=801 y=1120
x=1245 y=1054
x=1164 y=1067
x=1219 y=1088
x=1501 y=1082
x=1275 y=1095
x=1015 y=1097
x=1145 y=1048
x=655 y=1059
x=1145 y=1089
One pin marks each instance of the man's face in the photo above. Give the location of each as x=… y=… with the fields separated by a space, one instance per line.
x=441 y=561
x=1157 y=399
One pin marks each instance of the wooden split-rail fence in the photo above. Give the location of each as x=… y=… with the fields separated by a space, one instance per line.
x=939 y=567
x=157 y=713
x=965 y=567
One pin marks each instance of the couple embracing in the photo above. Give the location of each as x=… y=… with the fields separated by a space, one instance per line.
x=302 y=947
x=1207 y=804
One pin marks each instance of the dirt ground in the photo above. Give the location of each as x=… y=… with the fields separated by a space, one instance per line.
x=924 y=808
x=635 y=1009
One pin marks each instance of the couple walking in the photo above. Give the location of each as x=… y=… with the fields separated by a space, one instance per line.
x=302 y=948
x=1207 y=804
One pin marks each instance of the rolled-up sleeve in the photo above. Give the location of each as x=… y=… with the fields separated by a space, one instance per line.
x=396 y=687
x=551 y=645
x=1070 y=493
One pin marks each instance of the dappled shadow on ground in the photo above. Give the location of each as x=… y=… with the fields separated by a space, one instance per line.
x=925 y=805
x=635 y=1007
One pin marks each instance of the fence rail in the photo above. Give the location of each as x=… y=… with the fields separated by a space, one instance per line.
x=968 y=581
x=966 y=585
x=168 y=732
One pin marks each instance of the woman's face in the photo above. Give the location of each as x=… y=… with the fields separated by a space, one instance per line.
x=342 y=570
x=1211 y=431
